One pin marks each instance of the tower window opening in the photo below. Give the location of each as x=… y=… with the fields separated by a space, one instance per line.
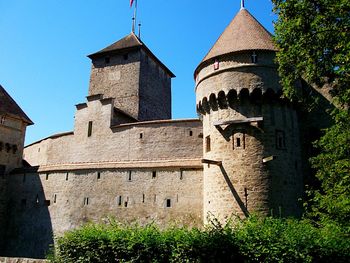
x=126 y=202
x=191 y=133
x=86 y=201
x=66 y=176
x=47 y=177
x=280 y=139
x=141 y=135
x=238 y=142
x=168 y=203
x=120 y=200
x=181 y=174
x=154 y=174
x=90 y=129
x=130 y=176
x=216 y=65
x=98 y=175
x=143 y=198
x=207 y=144
x=54 y=198
x=254 y=58
x=107 y=60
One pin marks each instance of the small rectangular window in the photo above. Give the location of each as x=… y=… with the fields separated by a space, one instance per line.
x=130 y=176
x=143 y=198
x=54 y=198
x=66 y=176
x=207 y=144
x=154 y=174
x=98 y=175
x=181 y=174
x=86 y=201
x=168 y=203
x=90 y=129
x=191 y=133
x=141 y=135
x=280 y=139
x=120 y=200
x=238 y=140
x=47 y=177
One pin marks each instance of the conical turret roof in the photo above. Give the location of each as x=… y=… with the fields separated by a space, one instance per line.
x=243 y=33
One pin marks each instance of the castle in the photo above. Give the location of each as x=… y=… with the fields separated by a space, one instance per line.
x=127 y=158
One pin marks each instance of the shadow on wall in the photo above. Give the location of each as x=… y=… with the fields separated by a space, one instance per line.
x=29 y=228
x=239 y=201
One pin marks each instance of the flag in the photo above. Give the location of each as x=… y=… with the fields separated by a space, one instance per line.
x=131 y=2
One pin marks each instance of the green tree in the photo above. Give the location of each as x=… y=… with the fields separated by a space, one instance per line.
x=313 y=37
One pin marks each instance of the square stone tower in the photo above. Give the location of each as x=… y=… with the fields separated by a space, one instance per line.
x=131 y=74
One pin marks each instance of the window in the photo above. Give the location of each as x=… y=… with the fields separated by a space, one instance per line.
x=207 y=144
x=66 y=176
x=216 y=65
x=143 y=198
x=47 y=177
x=191 y=133
x=280 y=139
x=120 y=200
x=154 y=174
x=181 y=174
x=90 y=128
x=126 y=202
x=239 y=140
x=14 y=148
x=107 y=60
x=141 y=135
x=168 y=202
x=86 y=200
x=254 y=58
x=130 y=176
x=54 y=198
x=98 y=175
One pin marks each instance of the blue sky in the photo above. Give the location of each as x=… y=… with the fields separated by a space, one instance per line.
x=44 y=44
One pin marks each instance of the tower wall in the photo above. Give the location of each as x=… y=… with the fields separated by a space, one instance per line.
x=117 y=76
x=227 y=98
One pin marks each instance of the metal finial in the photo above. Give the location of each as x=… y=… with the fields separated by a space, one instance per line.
x=242 y=4
x=139 y=30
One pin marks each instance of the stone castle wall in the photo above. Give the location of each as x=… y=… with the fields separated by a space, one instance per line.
x=244 y=183
x=12 y=132
x=118 y=79
x=54 y=202
x=155 y=90
x=142 y=141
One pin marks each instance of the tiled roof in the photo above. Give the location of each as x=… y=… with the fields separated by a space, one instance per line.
x=243 y=33
x=129 y=42
x=9 y=106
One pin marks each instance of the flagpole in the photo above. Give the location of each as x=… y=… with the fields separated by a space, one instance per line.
x=134 y=18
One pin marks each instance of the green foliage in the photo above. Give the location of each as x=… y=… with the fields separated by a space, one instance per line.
x=251 y=240
x=333 y=171
x=314 y=42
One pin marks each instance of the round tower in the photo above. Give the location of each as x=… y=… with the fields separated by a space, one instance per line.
x=251 y=149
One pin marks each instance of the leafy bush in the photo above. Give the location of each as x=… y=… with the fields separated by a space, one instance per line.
x=251 y=240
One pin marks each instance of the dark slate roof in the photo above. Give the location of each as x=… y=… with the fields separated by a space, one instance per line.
x=243 y=33
x=129 y=42
x=9 y=106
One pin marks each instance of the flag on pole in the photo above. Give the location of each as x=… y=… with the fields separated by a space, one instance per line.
x=131 y=2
